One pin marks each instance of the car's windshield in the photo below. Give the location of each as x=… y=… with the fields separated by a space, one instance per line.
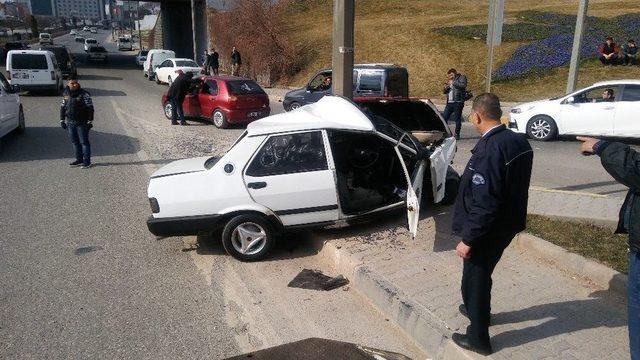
x=124 y=40
x=186 y=63
x=385 y=127
x=244 y=87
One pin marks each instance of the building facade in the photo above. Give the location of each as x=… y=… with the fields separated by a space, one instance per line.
x=43 y=7
x=80 y=9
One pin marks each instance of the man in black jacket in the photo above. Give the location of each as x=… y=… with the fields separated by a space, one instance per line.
x=236 y=62
x=623 y=163
x=213 y=62
x=456 y=90
x=491 y=208
x=177 y=92
x=76 y=116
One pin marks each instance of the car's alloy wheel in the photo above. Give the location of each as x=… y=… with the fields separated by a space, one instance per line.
x=294 y=105
x=248 y=237
x=542 y=128
x=169 y=81
x=168 y=110
x=219 y=120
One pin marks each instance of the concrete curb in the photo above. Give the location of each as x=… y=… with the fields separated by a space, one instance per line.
x=599 y=274
x=428 y=331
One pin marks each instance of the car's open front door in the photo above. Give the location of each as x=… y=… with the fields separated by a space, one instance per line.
x=439 y=164
x=414 y=191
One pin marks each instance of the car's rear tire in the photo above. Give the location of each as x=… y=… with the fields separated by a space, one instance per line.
x=150 y=77
x=219 y=119
x=21 y=123
x=451 y=185
x=168 y=110
x=542 y=128
x=248 y=237
x=158 y=80
x=294 y=105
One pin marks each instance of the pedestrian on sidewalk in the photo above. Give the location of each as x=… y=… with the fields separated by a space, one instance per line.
x=76 y=116
x=491 y=208
x=456 y=90
x=177 y=92
x=623 y=164
x=214 y=61
x=236 y=62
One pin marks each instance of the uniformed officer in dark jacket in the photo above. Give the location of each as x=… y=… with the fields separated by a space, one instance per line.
x=491 y=208
x=177 y=92
x=623 y=163
x=213 y=62
x=76 y=116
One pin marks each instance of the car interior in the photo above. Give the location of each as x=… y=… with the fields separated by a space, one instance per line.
x=369 y=174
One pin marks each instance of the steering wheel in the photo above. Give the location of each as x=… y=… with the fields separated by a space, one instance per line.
x=362 y=158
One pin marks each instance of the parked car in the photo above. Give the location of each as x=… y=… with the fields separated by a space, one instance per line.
x=124 y=43
x=86 y=28
x=583 y=112
x=45 y=38
x=97 y=53
x=12 y=116
x=93 y=30
x=141 y=57
x=154 y=58
x=88 y=42
x=12 y=45
x=323 y=164
x=375 y=80
x=65 y=60
x=170 y=68
x=79 y=38
x=73 y=32
x=224 y=100
x=34 y=70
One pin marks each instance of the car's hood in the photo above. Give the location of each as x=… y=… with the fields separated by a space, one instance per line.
x=184 y=166
x=295 y=93
x=531 y=104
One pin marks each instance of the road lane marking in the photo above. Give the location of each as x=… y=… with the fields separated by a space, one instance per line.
x=567 y=192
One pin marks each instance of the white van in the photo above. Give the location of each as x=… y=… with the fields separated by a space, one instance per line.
x=45 y=38
x=34 y=70
x=154 y=58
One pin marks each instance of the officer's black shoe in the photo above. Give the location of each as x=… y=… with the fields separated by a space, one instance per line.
x=75 y=163
x=463 y=341
x=174 y=123
x=463 y=311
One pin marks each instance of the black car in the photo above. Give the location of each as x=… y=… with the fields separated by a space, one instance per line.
x=65 y=60
x=12 y=45
x=369 y=80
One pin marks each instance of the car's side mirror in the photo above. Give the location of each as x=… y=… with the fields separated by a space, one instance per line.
x=570 y=100
x=309 y=88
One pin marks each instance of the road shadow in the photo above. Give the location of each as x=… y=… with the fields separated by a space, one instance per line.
x=103 y=92
x=599 y=310
x=114 y=61
x=48 y=143
x=98 y=77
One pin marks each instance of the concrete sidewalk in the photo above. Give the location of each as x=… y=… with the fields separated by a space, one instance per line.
x=540 y=311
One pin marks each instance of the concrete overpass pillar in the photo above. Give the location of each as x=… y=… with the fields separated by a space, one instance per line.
x=176 y=28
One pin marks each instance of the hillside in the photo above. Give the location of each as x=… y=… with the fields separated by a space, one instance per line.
x=405 y=32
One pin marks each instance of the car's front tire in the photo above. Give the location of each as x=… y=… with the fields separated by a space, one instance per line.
x=219 y=119
x=158 y=80
x=21 y=124
x=294 y=105
x=542 y=128
x=248 y=237
x=168 y=110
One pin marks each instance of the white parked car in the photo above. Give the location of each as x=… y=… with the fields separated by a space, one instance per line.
x=88 y=42
x=93 y=30
x=11 y=114
x=169 y=69
x=45 y=38
x=583 y=112
x=73 y=32
x=34 y=70
x=325 y=163
x=154 y=58
x=124 y=43
x=97 y=53
x=86 y=28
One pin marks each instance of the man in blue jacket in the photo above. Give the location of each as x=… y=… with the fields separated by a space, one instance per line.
x=491 y=208
x=623 y=163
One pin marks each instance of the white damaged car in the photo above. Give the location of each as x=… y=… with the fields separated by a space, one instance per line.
x=327 y=163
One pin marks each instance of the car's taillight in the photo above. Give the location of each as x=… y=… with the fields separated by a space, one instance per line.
x=53 y=75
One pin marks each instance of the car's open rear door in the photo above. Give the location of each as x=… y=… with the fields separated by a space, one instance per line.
x=439 y=166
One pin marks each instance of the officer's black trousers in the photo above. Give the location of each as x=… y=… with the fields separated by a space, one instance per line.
x=476 y=292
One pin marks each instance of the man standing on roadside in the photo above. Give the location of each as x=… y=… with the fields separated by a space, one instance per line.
x=236 y=62
x=491 y=208
x=177 y=92
x=456 y=90
x=76 y=116
x=623 y=163
x=214 y=61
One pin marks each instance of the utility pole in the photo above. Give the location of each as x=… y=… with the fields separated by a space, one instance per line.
x=139 y=30
x=494 y=34
x=342 y=53
x=193 y=31
x=577 y=44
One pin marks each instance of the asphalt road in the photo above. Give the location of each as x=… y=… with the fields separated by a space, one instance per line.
x=83 y=278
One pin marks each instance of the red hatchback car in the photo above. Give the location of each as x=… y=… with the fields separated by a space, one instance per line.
x=224 y=100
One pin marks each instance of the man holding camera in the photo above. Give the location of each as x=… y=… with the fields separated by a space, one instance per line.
x=456 y=90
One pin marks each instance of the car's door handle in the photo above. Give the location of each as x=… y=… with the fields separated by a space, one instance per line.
x=257 y=185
